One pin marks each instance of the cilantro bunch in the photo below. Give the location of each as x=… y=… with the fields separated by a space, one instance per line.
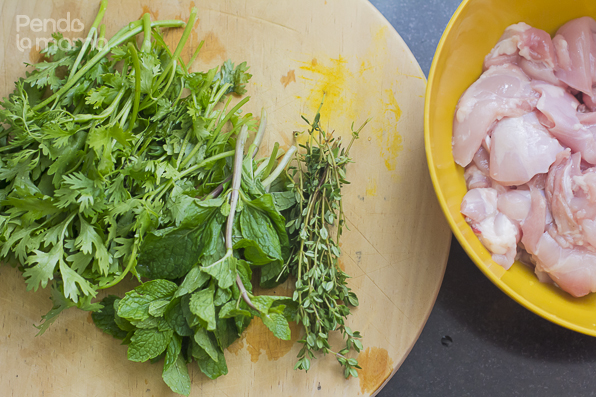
x=102 y=148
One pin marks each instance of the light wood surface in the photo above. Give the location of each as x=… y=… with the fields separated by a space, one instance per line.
x=398 y=242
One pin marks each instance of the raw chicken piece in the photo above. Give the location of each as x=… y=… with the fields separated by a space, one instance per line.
x=535 y=222
x=559 y=114
x=482 y=160
x=522 y=39
x=559 y=193
x=475 y=178
x=496 y=232
x=573 y=269
x=500 y=236
x=571 y=194
x=529 y=48
x=526 y=133
x=574 y=46
x=521 y=148
x=515 y=204
x=588 y=101
x=479 y=204
x=499 y=92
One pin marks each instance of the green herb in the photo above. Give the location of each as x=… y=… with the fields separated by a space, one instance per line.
x=208 y=307
x=102 y=157
x=321 y=291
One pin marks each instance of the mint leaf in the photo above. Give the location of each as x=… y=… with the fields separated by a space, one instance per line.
x=213 y=369
x=174 y=315
x=277 y=324
x=266 y=205
x=170 y=256
x=146 y=344
x=172 y=352
x=203 y=339
x=104 y=318
x=253 y=252
x=222 y=296
x=229 y=310
x=224 y=271
x=201 y=305
x=257 y=226
x=158 y=307
x=194 y=280
x=176 y=376
x=225 y=332
x=283 y=200
x=135 y=304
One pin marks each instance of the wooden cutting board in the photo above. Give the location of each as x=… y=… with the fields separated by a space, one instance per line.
x=398 y=242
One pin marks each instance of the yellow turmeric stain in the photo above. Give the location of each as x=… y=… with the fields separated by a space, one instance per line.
x=365 y=66
x=330 y=79
x=388 y=138
x=371 y=187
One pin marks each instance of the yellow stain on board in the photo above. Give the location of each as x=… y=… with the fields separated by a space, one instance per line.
x=371 y=187
x=389 y=138
x=331 y=80
x=365 y=66
x=356 y=88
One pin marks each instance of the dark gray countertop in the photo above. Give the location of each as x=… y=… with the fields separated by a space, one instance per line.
x=498 y=347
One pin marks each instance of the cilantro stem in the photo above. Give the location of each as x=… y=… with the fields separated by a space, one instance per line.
x=107 y=112
x=205 y=162
x=146 y=46
x=137 y=68
x=165 y=89
x=254 y=147
x=131 y=261
x=185 y=35
x=267 y=166
x=164 y=188
x=102 y=35
x=102 y=9
x=281 y=166
x=120 y=37
x=157 y=36
x=194 y=56
x=216 y=132
x=225 y=120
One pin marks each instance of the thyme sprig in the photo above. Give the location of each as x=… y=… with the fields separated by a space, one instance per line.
x=322 y=293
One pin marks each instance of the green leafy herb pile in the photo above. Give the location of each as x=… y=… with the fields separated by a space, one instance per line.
x=116 y=160
x=103 y=156
x=209 y=301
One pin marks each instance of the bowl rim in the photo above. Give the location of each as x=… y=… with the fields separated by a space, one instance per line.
x=442 y=201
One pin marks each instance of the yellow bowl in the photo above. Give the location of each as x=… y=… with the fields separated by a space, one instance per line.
x=472 y=32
